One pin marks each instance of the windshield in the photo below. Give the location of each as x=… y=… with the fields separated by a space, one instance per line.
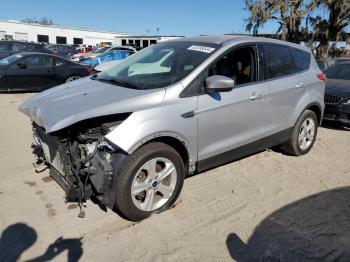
x=10 y=59
x=339 y=71
x=101 y=50
x=160 y=65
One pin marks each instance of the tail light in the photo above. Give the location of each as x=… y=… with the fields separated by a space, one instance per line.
x=322 y=77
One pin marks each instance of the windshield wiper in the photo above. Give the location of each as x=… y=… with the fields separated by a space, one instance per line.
x=119 y=82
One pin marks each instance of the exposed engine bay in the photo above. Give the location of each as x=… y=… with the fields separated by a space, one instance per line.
x=81 y=160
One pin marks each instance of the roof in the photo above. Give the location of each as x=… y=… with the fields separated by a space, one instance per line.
x=222 y=39
x=62 y=27
x=119 y=34
x=31 y=53
x=214 y=39
x=20 y=41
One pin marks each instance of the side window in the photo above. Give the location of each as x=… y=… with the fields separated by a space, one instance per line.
x=240 y=65
x=21 y=47
x=301 y=59
x=5 y=47
x=31 y=47
x=37 y=61
x=278 y=61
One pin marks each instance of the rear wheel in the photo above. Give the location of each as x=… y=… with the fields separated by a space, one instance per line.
x=303 y=136
x=72 y=78
x=150 y=181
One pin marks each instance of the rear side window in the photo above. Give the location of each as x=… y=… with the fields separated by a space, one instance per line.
x=5 y=47
x=279 y=62
x=301 y=60
x=21 y=47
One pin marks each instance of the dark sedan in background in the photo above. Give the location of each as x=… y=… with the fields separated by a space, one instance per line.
x=65 y=51
x=24 y=72
x=8 y=48
x=337 y=96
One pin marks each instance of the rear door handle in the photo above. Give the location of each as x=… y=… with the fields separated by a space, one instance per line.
x=299 y=85
x=255 y=96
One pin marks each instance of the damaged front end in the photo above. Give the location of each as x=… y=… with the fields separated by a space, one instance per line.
x=81 y=160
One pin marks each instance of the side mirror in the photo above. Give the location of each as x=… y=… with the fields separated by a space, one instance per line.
x=22 y=65
x=218 y=83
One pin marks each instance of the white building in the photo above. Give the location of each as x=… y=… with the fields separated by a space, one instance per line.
x=16 y=30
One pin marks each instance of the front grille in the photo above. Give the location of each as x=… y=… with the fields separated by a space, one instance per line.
x=51 y=148
x=332 y=100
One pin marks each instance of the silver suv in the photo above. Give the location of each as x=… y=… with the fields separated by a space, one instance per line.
x=129 y=136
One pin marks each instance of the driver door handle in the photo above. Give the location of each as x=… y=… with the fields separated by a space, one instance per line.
x=255 y=96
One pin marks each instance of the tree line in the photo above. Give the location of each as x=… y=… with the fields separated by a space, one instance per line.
x=314 y=22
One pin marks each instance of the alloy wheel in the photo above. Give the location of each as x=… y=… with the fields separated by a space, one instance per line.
x=153 y=184
x=306 y=133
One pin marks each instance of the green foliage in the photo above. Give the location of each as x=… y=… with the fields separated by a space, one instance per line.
x=42 y=21
x=310 y=21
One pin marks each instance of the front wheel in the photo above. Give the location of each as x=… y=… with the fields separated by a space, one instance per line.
x=303 y=136
x=150 y=181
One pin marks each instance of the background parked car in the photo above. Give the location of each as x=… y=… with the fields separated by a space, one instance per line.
x=106 y=66
x=322 y=65
x=337 y=96
x=107 y=57
x=37 y=72
x=79 y=56
x=341 y=60
x=62 y=50
x=97 y=52
x=8 y=48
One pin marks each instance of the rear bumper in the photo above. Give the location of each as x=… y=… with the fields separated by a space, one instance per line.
x=337 y=113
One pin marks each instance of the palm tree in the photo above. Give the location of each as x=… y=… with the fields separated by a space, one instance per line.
x=331 y=27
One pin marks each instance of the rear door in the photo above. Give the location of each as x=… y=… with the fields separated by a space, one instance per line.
x=285 y=87
x=32 y=73
x=62 y=71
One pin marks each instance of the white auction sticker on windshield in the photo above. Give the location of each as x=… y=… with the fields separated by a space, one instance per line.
x=199 y=48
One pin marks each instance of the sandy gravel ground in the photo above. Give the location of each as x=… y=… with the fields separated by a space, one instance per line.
x=253 y=209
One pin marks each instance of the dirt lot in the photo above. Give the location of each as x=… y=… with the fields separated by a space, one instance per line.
x=257 y=207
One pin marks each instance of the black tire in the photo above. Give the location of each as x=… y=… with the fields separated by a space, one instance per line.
x=292 y=147
x=123 y=199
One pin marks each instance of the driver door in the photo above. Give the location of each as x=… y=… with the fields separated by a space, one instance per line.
x=31 y=73
x=230 y=120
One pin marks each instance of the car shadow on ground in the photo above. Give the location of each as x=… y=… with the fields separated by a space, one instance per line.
x=334 y=126
x=316 y=228
x=17 y=238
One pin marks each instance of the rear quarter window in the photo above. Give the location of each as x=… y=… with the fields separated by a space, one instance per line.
x=279 y=61
x=301 y=60
x=60 y=62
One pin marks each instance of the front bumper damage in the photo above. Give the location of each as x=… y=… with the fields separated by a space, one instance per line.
x=83 y=170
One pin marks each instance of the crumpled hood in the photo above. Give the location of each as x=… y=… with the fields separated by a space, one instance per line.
x=338 y=87
x=64 y=105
